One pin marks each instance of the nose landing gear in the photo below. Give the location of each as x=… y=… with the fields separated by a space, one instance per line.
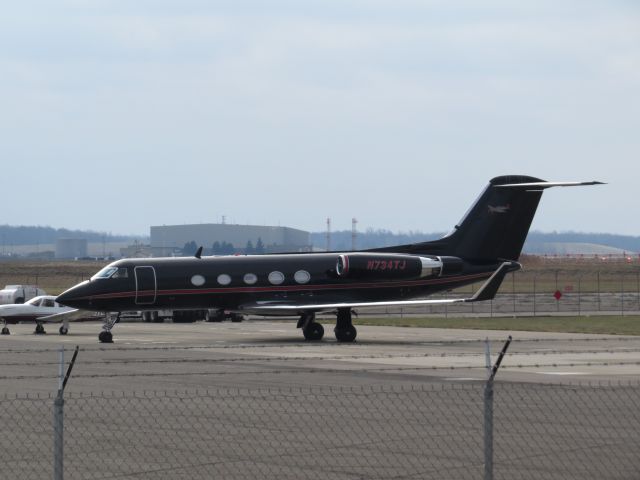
x=109 y=321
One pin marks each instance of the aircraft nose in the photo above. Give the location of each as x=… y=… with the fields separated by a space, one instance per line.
x=72 y=297
x=64 y=297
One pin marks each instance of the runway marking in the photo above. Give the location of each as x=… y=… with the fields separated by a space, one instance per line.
x=462 y=379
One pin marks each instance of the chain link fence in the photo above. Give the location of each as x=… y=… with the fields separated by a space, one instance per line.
x=555 y=292
x=419 y=431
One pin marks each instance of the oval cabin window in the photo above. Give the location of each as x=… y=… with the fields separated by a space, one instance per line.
x=302 y=276
x=276 y=278
x=250 y=278
x=197 y=280
x=224 y=279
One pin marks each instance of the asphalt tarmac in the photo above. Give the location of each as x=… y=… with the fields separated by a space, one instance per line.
x=254 y=400
x=259 y=353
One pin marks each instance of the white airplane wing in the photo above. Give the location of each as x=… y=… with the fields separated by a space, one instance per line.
x=74 y=315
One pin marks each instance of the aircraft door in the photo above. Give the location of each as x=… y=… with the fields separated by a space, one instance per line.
x=146 y=287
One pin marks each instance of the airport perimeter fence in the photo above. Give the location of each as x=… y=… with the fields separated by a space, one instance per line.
x=553 y=293
x=421 y=431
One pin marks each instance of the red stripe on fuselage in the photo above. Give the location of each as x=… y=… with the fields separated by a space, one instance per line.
x=289 y=288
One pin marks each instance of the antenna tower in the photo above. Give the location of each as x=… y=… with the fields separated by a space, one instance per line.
x=354 y=233
x=328 y=234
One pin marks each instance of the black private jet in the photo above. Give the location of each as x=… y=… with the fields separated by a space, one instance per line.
x=484 y=246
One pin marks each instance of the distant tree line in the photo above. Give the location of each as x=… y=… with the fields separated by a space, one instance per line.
x=23 y=235
x=623 y=242
x=225 y=248
x=341 y=240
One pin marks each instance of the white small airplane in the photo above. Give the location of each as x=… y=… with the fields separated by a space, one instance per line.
x=33 y=311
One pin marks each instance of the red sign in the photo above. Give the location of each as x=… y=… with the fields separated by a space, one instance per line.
x=557 y=295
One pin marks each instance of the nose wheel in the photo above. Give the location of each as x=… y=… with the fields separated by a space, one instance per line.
x=39 y=329
x=105 y=335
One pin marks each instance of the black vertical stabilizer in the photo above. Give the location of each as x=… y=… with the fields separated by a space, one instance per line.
x=494 y=228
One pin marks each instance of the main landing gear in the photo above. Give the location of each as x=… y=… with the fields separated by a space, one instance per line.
x=345 y=331
x=313 y=331
x=109 y=321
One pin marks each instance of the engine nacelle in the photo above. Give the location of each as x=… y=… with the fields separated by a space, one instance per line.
x=394 y=266
x=451 y=265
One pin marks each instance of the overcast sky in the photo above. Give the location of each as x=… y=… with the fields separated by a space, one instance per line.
x=118 y=115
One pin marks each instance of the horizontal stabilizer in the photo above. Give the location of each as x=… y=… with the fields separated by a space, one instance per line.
x=548 y=184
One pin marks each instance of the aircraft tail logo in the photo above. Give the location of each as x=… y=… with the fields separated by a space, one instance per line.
x=499 y=209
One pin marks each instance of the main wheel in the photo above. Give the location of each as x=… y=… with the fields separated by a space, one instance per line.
x=105 y=337
x=5 y=330
x=313 y=331
x=346 y=335
x=236 y=317
x=39 y=329
x=63 y=330
x=216 y=316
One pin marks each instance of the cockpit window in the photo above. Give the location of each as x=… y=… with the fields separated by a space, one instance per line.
x=121 y=273
x=106 y=272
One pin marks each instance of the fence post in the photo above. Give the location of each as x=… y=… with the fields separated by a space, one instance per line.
x=58 y=437
x=534 y=295
x=58 y=424
x=488 y=414
x=622 y=293
x=598 y=282
x=558 y=301
x=488 y=430
x=579 y=295
x=513 y=289
x=58 y=416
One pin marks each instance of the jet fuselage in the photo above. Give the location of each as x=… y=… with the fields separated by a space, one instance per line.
x=243 y=281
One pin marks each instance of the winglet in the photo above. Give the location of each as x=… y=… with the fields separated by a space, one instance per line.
x=199 y=252
x=491 y=286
